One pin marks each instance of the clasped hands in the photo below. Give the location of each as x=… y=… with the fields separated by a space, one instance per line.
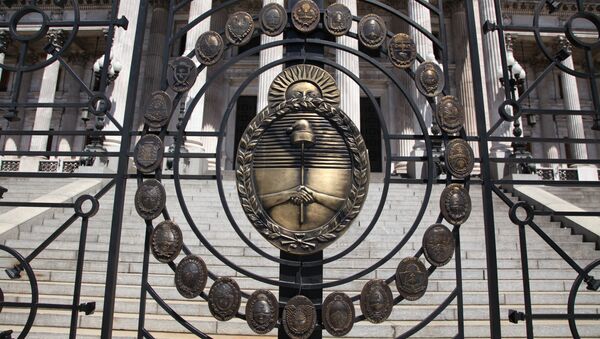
x=301 y=195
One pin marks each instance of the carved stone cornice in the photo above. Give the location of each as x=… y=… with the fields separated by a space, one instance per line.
x=49 y=4
x=528 y=7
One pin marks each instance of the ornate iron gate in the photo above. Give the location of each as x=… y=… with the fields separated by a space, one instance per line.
x=308 y=28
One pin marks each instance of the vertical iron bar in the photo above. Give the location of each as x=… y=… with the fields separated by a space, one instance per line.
x=488 y=207
x=444 y=43
x=167 y=45
x=302 y=275
x=78 y=277
x=459 y=294
x=593 y=86
x=145 y=269
x=526 y=287
x=121 y=178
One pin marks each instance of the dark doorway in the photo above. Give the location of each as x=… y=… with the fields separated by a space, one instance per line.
x=370 y=129
x=245 y=112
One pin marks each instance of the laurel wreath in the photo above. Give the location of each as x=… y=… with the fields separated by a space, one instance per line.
x=305 y=240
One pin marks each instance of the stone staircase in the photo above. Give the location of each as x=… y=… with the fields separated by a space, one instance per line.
x=551 y=277
x=586 y=198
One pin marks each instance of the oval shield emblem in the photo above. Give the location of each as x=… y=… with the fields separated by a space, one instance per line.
x=455 y=204
x=150 y=199
x=191 y=276
x=299 y=317
x=166 y=241
x=438 y=245
x=262 y=311
x=239 y=28
x=411 y=278
x=148 y=153
x=158 y=111
x=319 y=159
x=338 y=314
x=376 y=301
x=224 y=299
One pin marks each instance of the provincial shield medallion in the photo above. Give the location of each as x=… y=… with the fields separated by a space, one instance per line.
x=299 y=317
x=318 y=157
x=338 y=314
x=239 y=28
x=411 y=278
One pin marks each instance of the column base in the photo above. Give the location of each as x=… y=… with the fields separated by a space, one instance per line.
x=587 y=173
x=499 y=170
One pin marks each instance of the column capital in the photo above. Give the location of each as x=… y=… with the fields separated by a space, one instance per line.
x=564 y=43
x=4 y=41
x=510 y=40
x=56 y=37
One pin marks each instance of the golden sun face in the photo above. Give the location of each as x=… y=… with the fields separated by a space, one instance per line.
x=303 y=77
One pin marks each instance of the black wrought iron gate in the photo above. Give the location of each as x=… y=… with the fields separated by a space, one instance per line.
x=429 y=85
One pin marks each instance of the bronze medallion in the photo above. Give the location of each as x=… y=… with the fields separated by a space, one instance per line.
x=338 y=314
x=181 y=74
x=402 y=51
x=376 y=301
x=459 y=158
x=299 y=317
x=239 y=28
x=262 y=311
x=438 y=245
x=338 y=19
x=306 y=15
x=372 y=31
x=430 y=79
x=273 y=19
x=209 y=48
x=166 y=241
x=224 y=299
x=158 y=110
x=150 y=199
x=148 y=153
x=450 y=114
x=318 y=156
x=190 y=276
x=455 y=204
x=411 y=278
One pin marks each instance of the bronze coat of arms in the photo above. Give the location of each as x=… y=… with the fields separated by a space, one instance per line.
x=302 y=165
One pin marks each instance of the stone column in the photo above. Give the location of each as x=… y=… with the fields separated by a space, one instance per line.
x=43 y=115
x=267 y=56
x=153 y=56
x=195 y=123
x=4 y=42
x=571 y=102
x=70 y=119
x=547 y=123
x=349 y=90
x=495 y=92
x=123 y=51
x=422 y=17
x=464 y=78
